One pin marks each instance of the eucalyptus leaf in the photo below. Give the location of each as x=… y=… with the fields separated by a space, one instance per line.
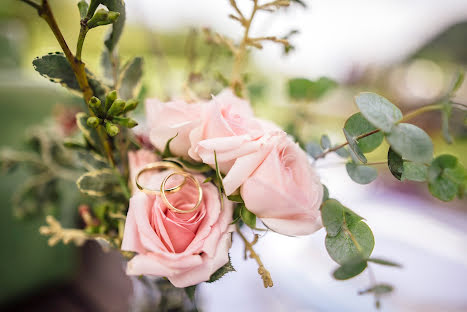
x=248 y=217
x=355 y=240
x=325 y=141
x=395 y=164
x=379 y=289
x=357 y=125
x=343 y=152
x=446 y=178
x=130 y=79
x=414 y=171
x=313 y=149
x=355 y=151
x=378 y=110
x=411 y=142
x=332 y=214
x=304 y=89
x=350 y=269
x=325 y=193
x=360 y=173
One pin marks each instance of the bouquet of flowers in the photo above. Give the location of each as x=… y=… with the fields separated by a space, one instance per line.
x=169 y=190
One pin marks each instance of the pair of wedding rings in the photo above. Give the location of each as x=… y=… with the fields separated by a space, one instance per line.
x=167 y=165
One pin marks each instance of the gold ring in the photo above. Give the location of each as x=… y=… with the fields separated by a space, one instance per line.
x=186 y=175
x=157 y=165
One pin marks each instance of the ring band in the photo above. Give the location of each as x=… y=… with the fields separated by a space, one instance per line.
x=157 y=165
x=186 y=175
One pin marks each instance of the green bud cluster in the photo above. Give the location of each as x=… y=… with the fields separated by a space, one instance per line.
x=110 y=114
x=103 y=17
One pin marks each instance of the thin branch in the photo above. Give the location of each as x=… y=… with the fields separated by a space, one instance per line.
x=265 y=275
x=32 y=3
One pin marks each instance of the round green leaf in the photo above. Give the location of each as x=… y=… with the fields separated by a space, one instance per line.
x=342 y=248
x=313 y=149
x=361 y=174
x=325 y=141
x=378 y=110
x=349 y=270
x=411 y=142
x=357 y=125
x=414 y=171
x=395 y=164
x=443 y=188
x=332 y=214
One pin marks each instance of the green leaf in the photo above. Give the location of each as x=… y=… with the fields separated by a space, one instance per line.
x=357 y=125
x=378 y=110
x=248 y=217
x=384 y=262
x=198 y=167
x=395 y=164
x=333 y=214
x=55 y=67
x=411 y=142
x=325 y=141
x=350 y=269
x=236 y=198
x=313 y=149
x=361 y=174
x=355 y=240
x=190 y=292
x=457 y=82
x=98 y=183
x=343 y=152
x=445 y=116
x=117 y=27
x=355 y=151
x=92 y=161
x=167 y=153
x=379 y=289
x=219 y=177
x=446 y=178
x=226 y=268
x=131 y=78
x=304 y=89
x=414 y=171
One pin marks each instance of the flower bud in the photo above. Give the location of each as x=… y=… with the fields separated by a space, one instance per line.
x=109 y=99
x=83 y=8
x=111 y=129
x=125 y=122
x=96 y=105
x=102 y=17
x=116 y=108
x=130 y=105
x=93 y=122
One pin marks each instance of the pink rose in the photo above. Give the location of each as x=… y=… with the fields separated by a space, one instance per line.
x=165 y=120
x=284 y=191
x=185 y=248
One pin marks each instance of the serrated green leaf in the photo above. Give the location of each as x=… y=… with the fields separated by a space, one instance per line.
x=226 y=268
x=411 y=142
x=414 y=171
x=350 y=269
x=384 y=262
x=354 y=241
x=325 y=141
x=97 y=183
x=360 y=173
x=355 y=151
x=55 y=67
x=313 y=149
x=379 y=289
x=248 y=217
x=357 y=125
x=130 y=79
x=304 y=89
x=117 y=28
x=378 y=110
x=395 y=164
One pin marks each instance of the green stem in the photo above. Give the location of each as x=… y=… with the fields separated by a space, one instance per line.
x=82 y=35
